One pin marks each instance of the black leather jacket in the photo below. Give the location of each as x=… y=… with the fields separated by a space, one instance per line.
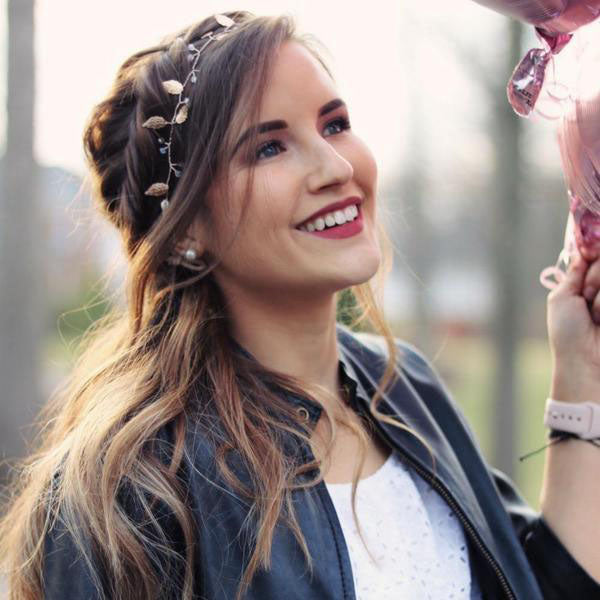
x=513 y=552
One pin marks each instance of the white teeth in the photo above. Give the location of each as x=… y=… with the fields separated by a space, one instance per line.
x=338 y=217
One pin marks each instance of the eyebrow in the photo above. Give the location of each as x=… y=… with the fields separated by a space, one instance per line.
x=279 y=124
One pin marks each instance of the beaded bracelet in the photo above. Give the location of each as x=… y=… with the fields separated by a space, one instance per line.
x=556 y=436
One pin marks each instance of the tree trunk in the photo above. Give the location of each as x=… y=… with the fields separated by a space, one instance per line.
x=20 y=298
x=506 y=235
x=413 y=193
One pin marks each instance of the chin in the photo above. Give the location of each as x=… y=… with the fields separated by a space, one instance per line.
x=360 y=272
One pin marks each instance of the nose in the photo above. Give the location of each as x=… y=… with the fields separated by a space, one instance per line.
x=329 y=167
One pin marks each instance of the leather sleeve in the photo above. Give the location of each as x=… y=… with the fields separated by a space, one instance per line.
x=559 y=575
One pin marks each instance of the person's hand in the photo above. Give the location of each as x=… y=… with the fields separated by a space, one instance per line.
x=573 y=323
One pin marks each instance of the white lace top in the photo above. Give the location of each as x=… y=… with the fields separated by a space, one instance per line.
x=415 y=537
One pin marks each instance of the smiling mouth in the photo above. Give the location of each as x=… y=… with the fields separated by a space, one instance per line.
x=334 y=225
x=331 y=220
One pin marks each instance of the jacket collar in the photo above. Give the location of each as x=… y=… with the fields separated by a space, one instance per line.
x=408 y=405
x=419 y=401
x=361 y=367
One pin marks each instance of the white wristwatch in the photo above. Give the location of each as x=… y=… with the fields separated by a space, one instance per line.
x=581 y=418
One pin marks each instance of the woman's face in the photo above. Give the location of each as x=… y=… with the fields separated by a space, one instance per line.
x=301 y=167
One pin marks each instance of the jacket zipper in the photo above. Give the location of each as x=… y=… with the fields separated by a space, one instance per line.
x=455 y=507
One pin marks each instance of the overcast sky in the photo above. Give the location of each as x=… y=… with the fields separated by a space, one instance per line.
x=80 y=45
x=384 y=57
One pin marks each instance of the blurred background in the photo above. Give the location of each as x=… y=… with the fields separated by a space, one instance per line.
x=472 y=195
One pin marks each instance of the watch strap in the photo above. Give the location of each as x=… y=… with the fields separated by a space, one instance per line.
x=581 y=418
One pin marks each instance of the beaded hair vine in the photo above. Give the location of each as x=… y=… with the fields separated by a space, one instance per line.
x=172 y=86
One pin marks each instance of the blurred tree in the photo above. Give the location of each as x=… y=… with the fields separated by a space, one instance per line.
x=21 y=309
x=413 y=189
x=506 y=239
x=347 y=310
x=503 y=206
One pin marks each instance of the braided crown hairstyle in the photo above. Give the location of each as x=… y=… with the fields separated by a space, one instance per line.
x=123 y=153
x=165 y=360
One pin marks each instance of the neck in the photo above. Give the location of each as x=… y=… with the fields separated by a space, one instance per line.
x=298 y=339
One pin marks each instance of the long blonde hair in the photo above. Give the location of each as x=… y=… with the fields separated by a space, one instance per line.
x=168 y=353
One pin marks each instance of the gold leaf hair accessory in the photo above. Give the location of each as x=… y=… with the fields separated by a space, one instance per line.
x=176 y=88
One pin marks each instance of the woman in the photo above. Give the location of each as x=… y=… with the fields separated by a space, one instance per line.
x=206 y=442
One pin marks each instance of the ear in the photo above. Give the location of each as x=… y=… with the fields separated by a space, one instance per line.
x=195 y=237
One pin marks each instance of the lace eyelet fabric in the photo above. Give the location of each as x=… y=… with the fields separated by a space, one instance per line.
x=418 y=542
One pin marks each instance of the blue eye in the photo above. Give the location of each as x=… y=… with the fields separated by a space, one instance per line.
x=342 y=123
x=266 y=146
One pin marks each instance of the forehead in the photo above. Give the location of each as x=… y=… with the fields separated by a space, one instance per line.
x=297 y=81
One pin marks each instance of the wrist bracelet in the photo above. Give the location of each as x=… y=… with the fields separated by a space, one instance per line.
x=566 y=420
x=557 y=434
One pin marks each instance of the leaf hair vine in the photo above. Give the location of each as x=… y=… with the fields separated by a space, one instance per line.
x=180 y=115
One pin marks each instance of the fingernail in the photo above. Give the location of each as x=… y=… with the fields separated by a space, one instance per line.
x=589 y=292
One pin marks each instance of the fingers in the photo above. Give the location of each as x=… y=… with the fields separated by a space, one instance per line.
x=594 y=305
x=590 y=254
x=591 y=287
x=573 y=282
x=591 y=283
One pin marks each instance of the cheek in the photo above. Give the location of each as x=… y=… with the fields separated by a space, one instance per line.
x=365 y=166
x=261 y=223
x=272 y=199
x=365 y=176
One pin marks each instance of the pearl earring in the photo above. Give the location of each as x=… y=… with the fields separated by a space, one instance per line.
x=190 y=254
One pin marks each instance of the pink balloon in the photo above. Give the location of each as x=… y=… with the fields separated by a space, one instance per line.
x=576 y=14
x=554 y=21
x=579 y=143
x=534 y=12
x=527 y=80
x=585 y=111
x=579 y=132
x=553 y=16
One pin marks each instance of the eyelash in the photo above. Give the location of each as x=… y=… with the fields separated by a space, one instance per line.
x=343 y=121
